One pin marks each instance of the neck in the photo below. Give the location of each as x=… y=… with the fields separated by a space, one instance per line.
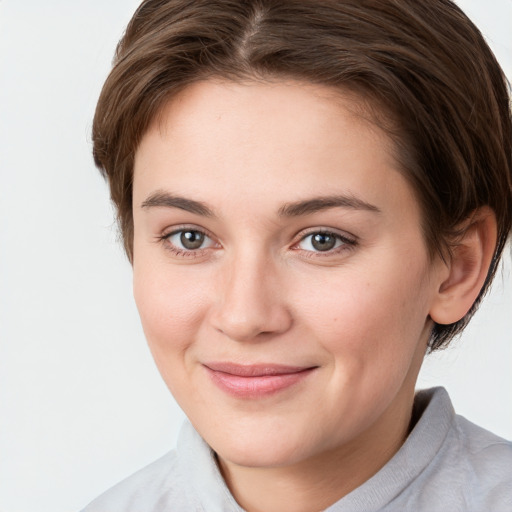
x=320 y=481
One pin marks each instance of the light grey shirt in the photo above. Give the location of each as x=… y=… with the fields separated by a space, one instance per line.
x=446 y=464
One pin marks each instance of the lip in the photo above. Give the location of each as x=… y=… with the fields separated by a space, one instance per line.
x=255 y=380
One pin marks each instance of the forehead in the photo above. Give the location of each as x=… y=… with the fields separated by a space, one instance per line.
x=265 y=143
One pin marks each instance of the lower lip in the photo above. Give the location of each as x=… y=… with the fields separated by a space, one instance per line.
x=257 y=386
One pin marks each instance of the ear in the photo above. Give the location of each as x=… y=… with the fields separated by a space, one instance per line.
x=466 y=271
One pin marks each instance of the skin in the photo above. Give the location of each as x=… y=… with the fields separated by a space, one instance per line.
x=257 y=290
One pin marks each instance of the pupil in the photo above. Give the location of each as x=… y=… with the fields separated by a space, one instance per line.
x=192 y=239
x=323 y=241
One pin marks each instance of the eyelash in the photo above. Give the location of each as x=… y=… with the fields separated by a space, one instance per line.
x=347 y=243
x=183 y=253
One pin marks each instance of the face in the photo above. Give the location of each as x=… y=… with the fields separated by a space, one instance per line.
x=280 y=271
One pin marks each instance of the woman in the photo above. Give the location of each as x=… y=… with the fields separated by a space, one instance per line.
x=312 y=195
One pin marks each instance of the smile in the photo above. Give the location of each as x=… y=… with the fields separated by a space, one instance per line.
x=255 y=381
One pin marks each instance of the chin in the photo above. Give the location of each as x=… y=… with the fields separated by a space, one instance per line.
x=257 y=456
x=249 y=448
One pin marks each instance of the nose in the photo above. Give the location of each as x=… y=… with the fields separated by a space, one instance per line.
x=250 y=302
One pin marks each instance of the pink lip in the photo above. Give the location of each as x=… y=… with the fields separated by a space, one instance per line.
x=255 y=381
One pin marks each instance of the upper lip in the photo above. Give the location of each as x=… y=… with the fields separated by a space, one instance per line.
x=255 y=370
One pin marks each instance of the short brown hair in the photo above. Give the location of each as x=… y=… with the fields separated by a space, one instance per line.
x=424 y=62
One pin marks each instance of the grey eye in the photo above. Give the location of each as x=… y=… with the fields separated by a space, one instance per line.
x=190 y=239
x=321 y=242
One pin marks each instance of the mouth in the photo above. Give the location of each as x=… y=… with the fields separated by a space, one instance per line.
x=255 y=381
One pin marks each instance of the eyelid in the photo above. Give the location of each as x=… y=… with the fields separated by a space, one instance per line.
x=183 y=252
x=348 y=240
x=172 y=230
x=325 y=230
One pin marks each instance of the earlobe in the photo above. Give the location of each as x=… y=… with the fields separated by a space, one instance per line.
x=467 y=268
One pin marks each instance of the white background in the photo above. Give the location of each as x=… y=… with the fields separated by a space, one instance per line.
x=81 y=403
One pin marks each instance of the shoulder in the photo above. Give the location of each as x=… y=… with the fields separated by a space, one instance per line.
x=148 y=489
x=184 y=480
x=472 y=466
x=449 y=463
x=480 y=444
x=486 y=461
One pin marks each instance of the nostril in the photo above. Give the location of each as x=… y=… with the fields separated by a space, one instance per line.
x=253 y=325
x=241 y=331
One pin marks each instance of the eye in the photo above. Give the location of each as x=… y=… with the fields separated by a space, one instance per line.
x=323 y=241
x=189 y=240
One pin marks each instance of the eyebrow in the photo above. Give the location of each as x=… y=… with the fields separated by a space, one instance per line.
x=296 y=209
x=166 y=200
x=317 y=204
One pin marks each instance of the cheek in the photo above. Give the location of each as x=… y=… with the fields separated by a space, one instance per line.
x=170 y=310
x=369 y=318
